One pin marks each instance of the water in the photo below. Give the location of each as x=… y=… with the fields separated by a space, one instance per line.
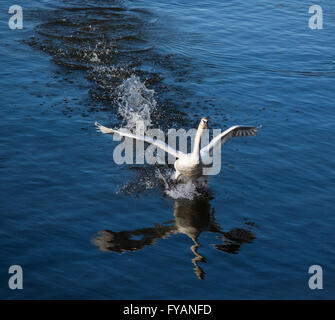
x=83 y=227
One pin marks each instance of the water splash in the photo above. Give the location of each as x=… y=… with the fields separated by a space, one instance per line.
x=186 y=190
x=135 y=103
x=149 y=179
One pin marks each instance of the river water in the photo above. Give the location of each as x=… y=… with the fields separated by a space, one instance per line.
x=83 y=227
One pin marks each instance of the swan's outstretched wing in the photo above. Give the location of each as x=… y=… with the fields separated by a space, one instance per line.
x=158 y=143
x=235 y=131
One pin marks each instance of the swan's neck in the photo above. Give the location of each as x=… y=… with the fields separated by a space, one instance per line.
x=196 y=149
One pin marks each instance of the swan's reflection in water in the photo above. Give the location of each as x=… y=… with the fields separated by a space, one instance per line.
x=191 y=218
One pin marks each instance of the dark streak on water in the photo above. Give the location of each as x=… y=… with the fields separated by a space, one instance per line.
x=83 y=227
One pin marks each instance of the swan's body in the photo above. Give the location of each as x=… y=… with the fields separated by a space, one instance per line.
x=189 y=165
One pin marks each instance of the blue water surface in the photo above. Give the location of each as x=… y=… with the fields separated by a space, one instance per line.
x=83 y=227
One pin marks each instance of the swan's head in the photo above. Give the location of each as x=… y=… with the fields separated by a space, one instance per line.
x=204 y=123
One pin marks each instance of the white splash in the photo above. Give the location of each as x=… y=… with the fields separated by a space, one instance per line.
x=187 y=190
x=136 y=103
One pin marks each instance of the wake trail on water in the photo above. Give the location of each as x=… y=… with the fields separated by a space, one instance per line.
x=110 y=56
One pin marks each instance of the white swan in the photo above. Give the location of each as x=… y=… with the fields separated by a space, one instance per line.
x=189 y=165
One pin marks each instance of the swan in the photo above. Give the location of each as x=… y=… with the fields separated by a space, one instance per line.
x=189 y=165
